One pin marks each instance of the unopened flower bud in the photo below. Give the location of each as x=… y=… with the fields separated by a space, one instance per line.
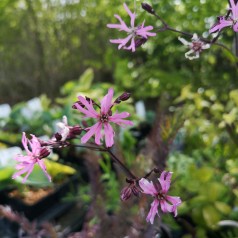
x=44 y=152
x=147 y=7
x=126 y=193
x=140 y=41
x=125 y=96
x=57 y=136
x=136 y=191
x=78 y=103
x=76 y=130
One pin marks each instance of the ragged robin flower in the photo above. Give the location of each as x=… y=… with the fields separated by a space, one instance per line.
x=196 y=46
x=104 y=117
x=159 y=192
x=136 y=35
x=225 y=21
x=35 y=153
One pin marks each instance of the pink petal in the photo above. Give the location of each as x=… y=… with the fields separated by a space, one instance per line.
x=109 y=134
x=147 y=187
x=98 y=134
x=35 y=145
x=222 y=23
x=24 y=170
x=92 y=130
x=235 y=27
x=166 y=207
x=153 y=211
x=90 y=112
x=165 y=180
x=116 y=118
x=43 y=167
x=120 y=115
x=106 y=102
x=122 y=26
x=176 y=201
x=24 y=143
x=28 y=173
x=234 y=9
x=144 y=31
x=132 y=15
x=121 y=42
x=120 y=122
x=132 y=46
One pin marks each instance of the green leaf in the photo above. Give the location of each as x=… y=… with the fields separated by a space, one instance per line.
x=86 y=79
x=223 y=207
x=55 y=168
x=6 y=173
x=234 y=96
x=211 y=216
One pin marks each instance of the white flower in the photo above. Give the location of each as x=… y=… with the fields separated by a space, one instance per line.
x=196 y=46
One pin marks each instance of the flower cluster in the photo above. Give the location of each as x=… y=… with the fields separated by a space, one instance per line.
x=38 y=149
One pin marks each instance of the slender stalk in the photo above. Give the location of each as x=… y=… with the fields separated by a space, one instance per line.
x=113 y=156
x=123 y=167
x=91 y=147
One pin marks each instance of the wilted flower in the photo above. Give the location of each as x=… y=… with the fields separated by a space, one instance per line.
x=225 y=21
x=196 y=46
x=35 y=153
x=159 y=192
x=66 y=131
x=104 y=118
x=134 y=33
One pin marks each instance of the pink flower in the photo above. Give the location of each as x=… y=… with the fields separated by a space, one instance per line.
x=35 y=154
x=223 y=21
x=137 y=35
x=159 y=192
x=104 y=117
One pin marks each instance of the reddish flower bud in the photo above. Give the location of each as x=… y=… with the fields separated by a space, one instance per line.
x=148 y=8
x=140 y=41
x=44 y=152
x=136 y=191
x=75 y=130
x=78 y=103
x=125 y=96
x=126 y=193
x=57 y=136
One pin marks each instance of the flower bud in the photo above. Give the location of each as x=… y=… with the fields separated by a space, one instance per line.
x=44 y=152
x=125 y=96
x=148 y=8
x=140 y=41
x=75 y=130
x=126 y=193
x=136 y=191
x=58 y=136
x=78 y=103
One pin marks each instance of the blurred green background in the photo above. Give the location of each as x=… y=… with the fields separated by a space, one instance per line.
x=54 y=49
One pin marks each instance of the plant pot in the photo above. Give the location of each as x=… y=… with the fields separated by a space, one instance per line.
x=52 y=202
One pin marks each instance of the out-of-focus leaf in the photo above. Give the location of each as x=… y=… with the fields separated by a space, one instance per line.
x=223 y=207
x=211 y=216
x=55 y=168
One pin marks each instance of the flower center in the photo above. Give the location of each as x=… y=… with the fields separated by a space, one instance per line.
x=235 y=21
x=104 y=118
x=197 y=46
x=160 y=196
